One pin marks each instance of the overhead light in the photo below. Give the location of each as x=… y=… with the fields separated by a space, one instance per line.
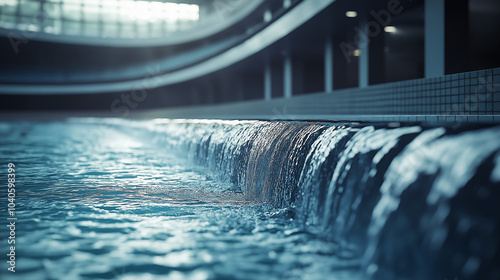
x=390 y=29
x=351 y=14
x=357 y=52
x=268 y=16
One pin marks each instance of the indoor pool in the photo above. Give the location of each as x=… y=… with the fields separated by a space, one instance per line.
x=110 y=206
x=199 y=199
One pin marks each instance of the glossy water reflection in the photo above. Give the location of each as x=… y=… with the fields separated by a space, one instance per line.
x=115 y=206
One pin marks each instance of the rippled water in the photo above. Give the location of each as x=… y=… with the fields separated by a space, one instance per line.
x=212 y=199
x=100 y=202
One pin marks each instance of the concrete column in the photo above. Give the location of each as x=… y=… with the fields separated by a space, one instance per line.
x=364 y=61
x=287 y=76
x=328 y=64
x=267 y=81
x=434 y=38
x=240 y=88
x=210 y=99
x=195 y=95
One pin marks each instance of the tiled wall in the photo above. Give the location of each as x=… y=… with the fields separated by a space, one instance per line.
x=465 y=94
x=465 y=97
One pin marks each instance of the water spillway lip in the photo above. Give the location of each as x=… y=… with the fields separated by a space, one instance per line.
x=365 y=194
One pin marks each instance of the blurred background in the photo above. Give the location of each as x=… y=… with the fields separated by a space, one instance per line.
x=122 y=56
x=397 y=177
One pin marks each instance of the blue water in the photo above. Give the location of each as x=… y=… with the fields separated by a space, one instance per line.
x=114 y=207
x=197 y=199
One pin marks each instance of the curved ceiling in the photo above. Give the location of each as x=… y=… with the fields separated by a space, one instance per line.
x=126 y=23
x=274 y=30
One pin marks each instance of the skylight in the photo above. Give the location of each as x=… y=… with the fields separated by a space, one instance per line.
x=98 y=18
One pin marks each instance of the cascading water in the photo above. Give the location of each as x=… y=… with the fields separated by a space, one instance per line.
x=412 y=202
x=389 y=200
